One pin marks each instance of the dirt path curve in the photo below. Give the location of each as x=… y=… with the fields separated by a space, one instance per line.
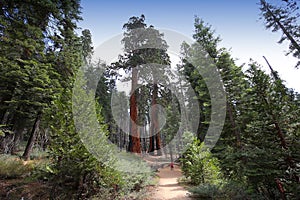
x=168 y=187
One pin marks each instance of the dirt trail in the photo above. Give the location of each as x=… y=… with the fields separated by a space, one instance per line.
x=168 y=187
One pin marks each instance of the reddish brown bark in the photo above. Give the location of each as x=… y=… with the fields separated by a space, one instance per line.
x=134 y=139
x=280 y=134
x=280 y=188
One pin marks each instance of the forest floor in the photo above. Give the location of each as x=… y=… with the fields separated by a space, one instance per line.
x=23 y=189
x=16 y=182
x=168 y=187
x=22 y=186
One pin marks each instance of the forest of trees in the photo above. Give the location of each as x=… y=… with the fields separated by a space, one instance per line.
x=47 y=67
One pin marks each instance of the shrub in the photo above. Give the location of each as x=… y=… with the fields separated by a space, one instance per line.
x=226 y=191
x=207 y=191
x=199 y=166
x=14 y=167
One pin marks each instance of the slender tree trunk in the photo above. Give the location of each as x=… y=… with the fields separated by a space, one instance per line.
x=151 y=143
x=289 y=159
x=187 y=121
x=18 y=135
x=5 y=118
x=145 y=135
x=277 y=127
x=154 y=129
x=4 y=115
x=32 y=137
x=134 y=138
x=6 y=142
x=271 y=68
x=171 y=153
x=280 y=134
x=280 y=188
x=151 y=136
x=120 y=131
x=17 y=129
x=155 y=120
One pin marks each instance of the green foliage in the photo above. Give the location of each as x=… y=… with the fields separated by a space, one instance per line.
x=40 y=53
x=73 y=163
x=257 y=147
x=226 y=191
x=284 y=16
x=35 y=41
x=199 y=166
x=270 y=133
x=205 y=37
x=135 y=182
x=71 y=147
x=207 y=191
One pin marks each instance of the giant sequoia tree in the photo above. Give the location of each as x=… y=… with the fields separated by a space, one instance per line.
x=143 y=45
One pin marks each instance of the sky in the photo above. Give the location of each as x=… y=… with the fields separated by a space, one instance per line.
x=237 y=22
